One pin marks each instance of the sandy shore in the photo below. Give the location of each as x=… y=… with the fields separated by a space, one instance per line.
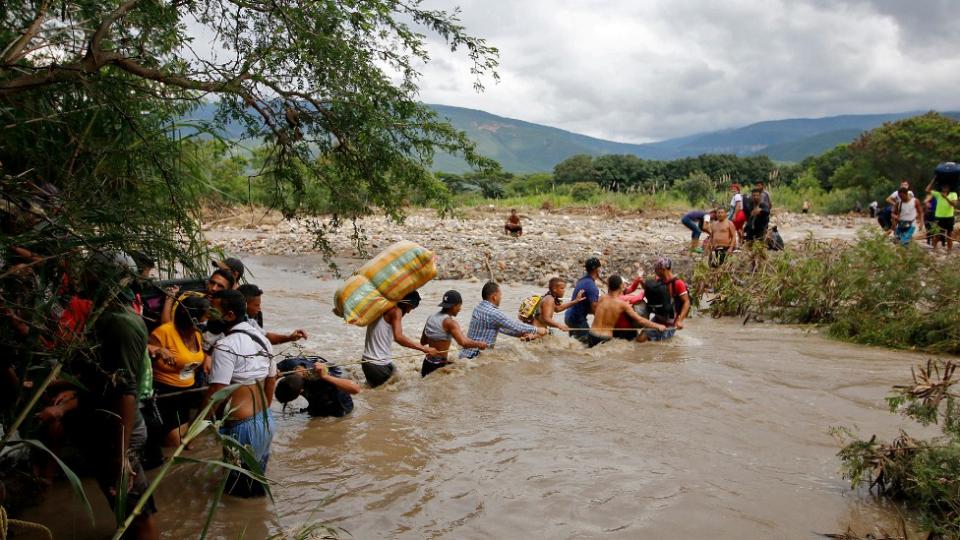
x=473 y=245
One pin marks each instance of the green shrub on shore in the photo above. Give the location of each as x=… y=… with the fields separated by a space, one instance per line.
x=871 y=291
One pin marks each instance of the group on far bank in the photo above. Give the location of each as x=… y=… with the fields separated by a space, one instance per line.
x=744 y=221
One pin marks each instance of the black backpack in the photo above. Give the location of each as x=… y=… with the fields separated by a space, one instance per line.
x=659 y=298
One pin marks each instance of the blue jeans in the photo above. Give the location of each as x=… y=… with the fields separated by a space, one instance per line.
x=255 y=432
x=693 y=226
x=904 y=232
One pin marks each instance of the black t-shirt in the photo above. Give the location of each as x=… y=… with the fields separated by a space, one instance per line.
x=323 y=398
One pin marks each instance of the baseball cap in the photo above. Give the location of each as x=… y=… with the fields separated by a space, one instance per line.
x=663 y=263
x=230 y=264
x=450 y=299
x=592 y=264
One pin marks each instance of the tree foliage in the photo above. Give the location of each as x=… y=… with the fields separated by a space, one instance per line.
x=908 y=149
x=329 y=87
x=616 y=172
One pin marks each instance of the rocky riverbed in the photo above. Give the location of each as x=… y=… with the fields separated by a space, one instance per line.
x=474 y=246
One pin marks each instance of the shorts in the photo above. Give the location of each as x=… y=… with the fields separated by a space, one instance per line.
x=105 y=479
x=657 y=335
x=692 y=225
x=432 y=364
x=175 y=410
x=946 y=227
x=256 y=432
x=717 y=257
x=593 y=339
x=377 y=374
x=904 y=232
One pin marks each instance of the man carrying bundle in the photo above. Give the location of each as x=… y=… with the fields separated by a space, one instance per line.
x=377 y=364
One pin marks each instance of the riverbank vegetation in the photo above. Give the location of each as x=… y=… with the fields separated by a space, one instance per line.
x=925 y=473
x=871 y=291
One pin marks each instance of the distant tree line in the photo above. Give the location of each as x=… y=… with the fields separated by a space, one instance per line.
x=864 y=170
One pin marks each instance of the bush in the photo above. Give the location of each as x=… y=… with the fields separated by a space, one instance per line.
x=872 y=292
x=584 y=191
x=697 y=187
x=925 y=473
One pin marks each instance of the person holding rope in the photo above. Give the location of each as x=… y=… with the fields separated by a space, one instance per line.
x=576 y=317
x=668 y=299
x=549 y=304
x=177 y=351
x=609 y=310
x=487 y=321
x=377 y=365
x=441 y=330
x=244 y=356
x=323 y=385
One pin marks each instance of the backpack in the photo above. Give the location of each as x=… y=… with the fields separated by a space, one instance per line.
x=659 y=298
x=529 y=308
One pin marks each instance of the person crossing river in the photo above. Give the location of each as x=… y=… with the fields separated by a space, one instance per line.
x=441 y=330
x=609 y=310
x=377 y=364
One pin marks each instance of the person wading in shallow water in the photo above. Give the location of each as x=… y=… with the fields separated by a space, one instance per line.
x=488 y=321
x=576 y=317
x=552 y=302
x=609 y=309
x=377 y=364
x=441 y=330
x=244 y=356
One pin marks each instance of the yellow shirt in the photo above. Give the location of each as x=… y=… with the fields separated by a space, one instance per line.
x=181 y=374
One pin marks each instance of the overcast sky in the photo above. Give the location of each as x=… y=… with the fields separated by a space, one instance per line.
x=642 y=70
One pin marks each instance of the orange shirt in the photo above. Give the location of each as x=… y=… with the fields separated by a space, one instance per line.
x=181 y=374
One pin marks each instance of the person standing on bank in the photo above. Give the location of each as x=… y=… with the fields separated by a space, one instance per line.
x=377 y=363
x=441 y=330
x=576 y=317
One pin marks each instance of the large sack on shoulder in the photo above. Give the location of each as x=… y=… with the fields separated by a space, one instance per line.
x=379 y=284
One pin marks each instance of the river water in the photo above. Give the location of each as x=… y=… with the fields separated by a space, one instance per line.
x=720 y=433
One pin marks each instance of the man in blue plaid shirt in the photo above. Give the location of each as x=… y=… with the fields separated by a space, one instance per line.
x=487 y=321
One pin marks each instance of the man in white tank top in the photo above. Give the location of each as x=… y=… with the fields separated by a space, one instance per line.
x=377 y=364
x=906 y=214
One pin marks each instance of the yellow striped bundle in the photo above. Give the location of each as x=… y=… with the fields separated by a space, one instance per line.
x=378 y=285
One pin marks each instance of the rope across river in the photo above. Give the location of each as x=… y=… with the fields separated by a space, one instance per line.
x=280 y=375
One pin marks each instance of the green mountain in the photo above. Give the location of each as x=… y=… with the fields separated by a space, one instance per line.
x=524 y=147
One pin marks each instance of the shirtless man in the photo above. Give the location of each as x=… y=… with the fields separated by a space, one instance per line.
x=609 y=309
x=723 y=238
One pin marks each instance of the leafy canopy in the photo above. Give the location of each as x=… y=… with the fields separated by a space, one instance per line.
x=329 y=86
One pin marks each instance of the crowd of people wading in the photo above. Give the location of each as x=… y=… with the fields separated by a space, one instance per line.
x=148 y=356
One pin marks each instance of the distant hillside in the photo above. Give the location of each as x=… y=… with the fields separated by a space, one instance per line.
x=523 y=147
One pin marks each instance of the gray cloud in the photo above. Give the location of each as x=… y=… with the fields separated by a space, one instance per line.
x=640 y=71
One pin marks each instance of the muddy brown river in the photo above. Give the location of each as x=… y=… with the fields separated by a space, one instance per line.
x=721 y=433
